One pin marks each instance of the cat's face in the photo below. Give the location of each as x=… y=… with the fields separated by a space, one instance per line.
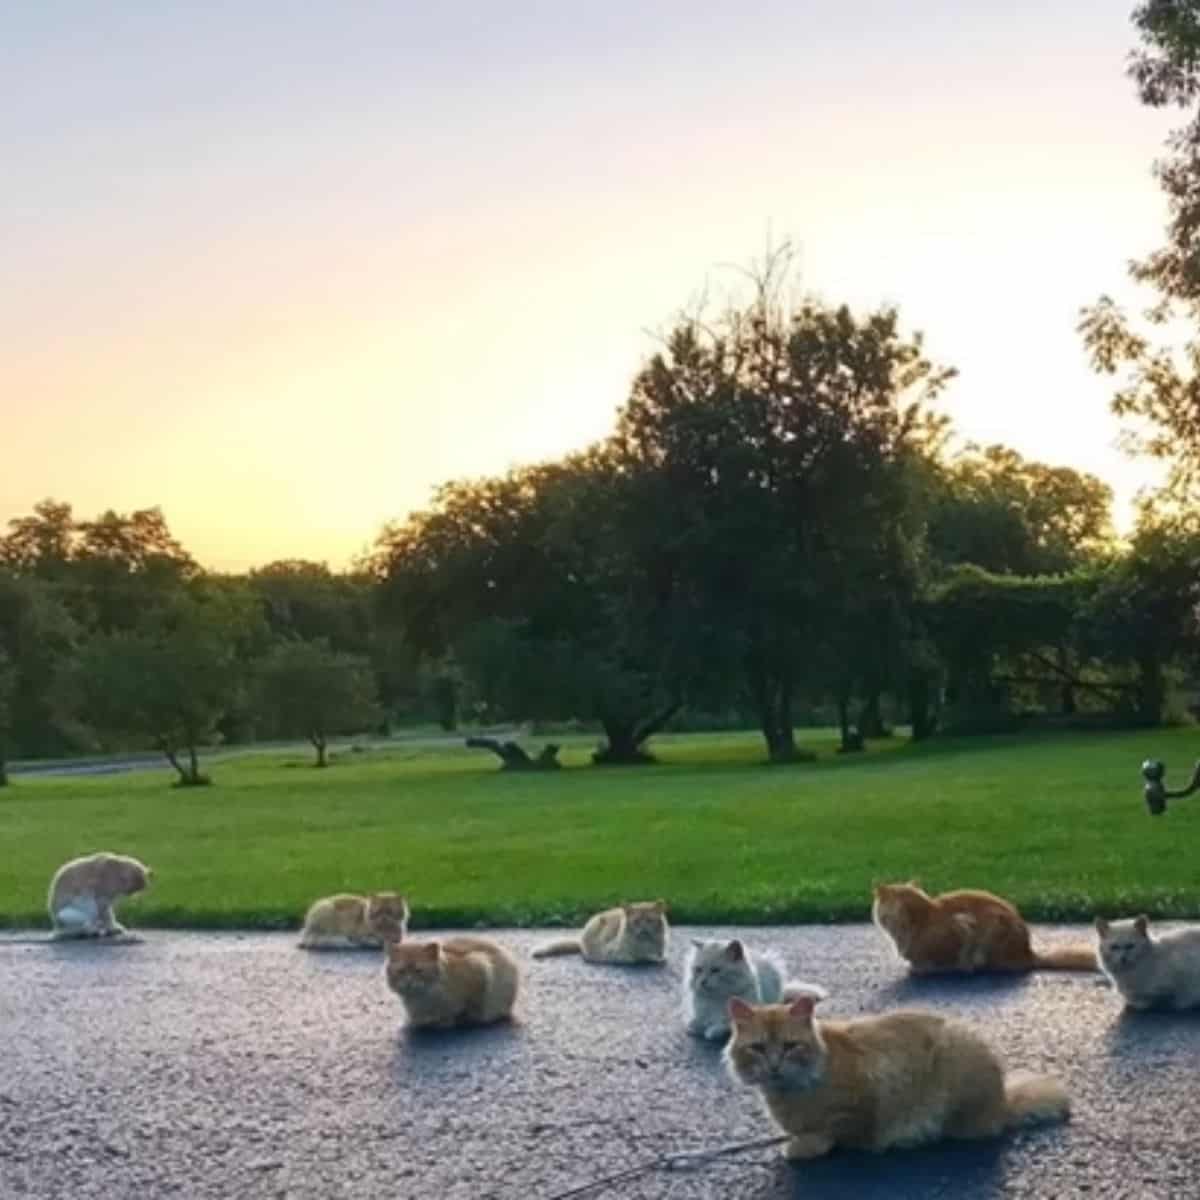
x=414 y=968
x=646 y=924
x=1123 y=944
x=718 y=968
x=387 y=915
x=775 y=1046
x=135 y=876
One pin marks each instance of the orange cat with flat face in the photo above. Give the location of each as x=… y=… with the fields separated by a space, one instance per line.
x=965 y=931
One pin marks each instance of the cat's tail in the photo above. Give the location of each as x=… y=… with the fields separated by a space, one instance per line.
x=1034 y=1099
x=1066 y=958
x=563 y=946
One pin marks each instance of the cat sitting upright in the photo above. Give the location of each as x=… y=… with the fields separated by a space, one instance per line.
x=901 y=1079
x=717 y=972
x=355 y=921
x=1151 y=972
x=84 y=892
x=965 y=931
x=630 y=934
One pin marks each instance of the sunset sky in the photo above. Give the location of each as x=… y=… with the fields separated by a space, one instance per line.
x=280 y=268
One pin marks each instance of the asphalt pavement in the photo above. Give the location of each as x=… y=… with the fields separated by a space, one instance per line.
x=226 y=1065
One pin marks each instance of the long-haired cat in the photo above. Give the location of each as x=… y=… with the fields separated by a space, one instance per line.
x=84 y=892
x=632 y=933
x=717 y=972
x=1151 y=972
x=874 y=1083
x=459 y=981
x=355 y=921
x=965 y=931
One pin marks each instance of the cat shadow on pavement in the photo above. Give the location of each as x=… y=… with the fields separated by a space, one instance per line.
x=916 y=989
x=1137 y=1033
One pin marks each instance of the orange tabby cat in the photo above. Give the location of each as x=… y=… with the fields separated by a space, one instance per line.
x=966 y=931
x=461 y=981
x=874 y=1083
x=355 y=921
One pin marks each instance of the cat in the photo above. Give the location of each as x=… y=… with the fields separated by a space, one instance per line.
x=85 y=890
x=355 y=921
x=718 y=971
x=874 y=1083
x=1149 y=972
x=459 y=981
x=629 y=934
x=965 y=931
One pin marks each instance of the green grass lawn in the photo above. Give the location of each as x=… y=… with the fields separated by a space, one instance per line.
x=1056 y=823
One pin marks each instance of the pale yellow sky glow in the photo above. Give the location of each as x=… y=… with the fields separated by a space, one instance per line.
x=282 y=275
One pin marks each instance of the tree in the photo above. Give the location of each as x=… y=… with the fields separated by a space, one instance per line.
x=1009 y=515
x=313 y=691
x=170 y=682
x=768 y=444
x=8 y=686
x=1160 y=385
x=306 y=600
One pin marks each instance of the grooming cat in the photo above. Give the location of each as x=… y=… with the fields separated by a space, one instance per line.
x=965 y=931
x=1149 y=972
x=84 y=892
x=632 y=933
x=902 y=1079
x=355 y=921
x=461 y=981
x=719 y=971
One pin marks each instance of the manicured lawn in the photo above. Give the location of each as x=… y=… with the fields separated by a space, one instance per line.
x=1056 y=823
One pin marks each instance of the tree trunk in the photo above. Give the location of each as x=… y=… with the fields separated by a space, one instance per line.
x=870 y=719
x=625 y=740
x=319 y=744
x=194 y=765
x=852 y=739
x=514 y=758
x=3 y=772
x=1152 y=690
x=920 y=708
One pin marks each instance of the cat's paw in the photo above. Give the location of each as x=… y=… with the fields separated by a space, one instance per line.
x=806 y=1146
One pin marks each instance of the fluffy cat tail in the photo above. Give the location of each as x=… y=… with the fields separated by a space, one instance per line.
x=564 y=946
x=1034 y=1099
x=1066 y=958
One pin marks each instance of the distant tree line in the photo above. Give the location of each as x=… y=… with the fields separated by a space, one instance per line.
x=774 y=533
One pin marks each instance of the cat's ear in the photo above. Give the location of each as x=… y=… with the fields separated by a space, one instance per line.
x=431 y=951
x=394 y=949
x=698 y=943
x=1141 y=924
x=739 y=1011
x=735 y=951
x=803 y=1006
x=661 y=905
x=915 y=883
x=1101 y=926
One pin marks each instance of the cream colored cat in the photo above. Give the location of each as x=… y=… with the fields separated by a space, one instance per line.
x=1149 y=972
x=355 y=921
x=632 y=933
x=459 y=981
x=84 y=892
x=874 y=1083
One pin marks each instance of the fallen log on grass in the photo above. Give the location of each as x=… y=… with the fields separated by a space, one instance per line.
x=513 y=758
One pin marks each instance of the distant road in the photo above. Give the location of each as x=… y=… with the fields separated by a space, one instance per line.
x=156 y=762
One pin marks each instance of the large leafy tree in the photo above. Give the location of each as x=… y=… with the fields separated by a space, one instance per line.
x=309 y=690
x=1160 y=382
x=776 y=440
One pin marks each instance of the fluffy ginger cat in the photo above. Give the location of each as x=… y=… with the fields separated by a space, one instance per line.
x=1149 y=972
x=632 y=933
x=717 y=972
x=461 y=981
x=84 y=892
x=965 y=931
x=355 y=921
x=874 y=1083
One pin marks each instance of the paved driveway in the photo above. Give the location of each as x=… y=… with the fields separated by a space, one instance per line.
x=198 y=1065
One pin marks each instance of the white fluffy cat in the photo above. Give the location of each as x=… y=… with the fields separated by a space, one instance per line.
x=1162 y=972
x=717 y=972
